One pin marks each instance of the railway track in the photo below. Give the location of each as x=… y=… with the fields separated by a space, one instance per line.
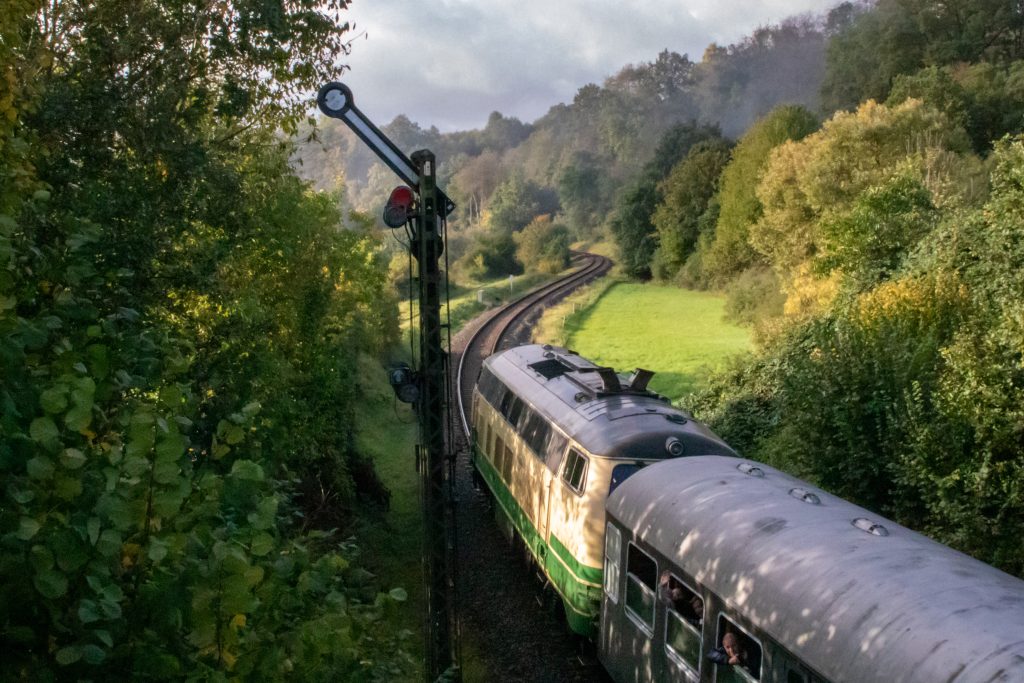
x=511 y=325
x=509 y=630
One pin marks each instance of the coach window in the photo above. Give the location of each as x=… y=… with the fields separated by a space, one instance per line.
x=749 y=669
x=506 y=402
x=514 y=411
x=575 y=472
x=612 y=559
x=797 y=673
x=641 y=577
x=683 y=626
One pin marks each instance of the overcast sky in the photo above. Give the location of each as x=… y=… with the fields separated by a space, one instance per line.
x=450 y=63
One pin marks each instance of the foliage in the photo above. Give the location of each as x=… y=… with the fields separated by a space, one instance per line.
x=818 y=181
x=179 y=318
x=631 y=227
x=753 y=296
x=686 y=194
x=543 y=246
x=986 y=100
x=894 y=37
x=514 y=204
x=632 y=230
x=728 y=250
x=492 y=255
x=580 y=194
x=870 y=242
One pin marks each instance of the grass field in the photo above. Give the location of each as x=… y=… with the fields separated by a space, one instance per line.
x=679 y=334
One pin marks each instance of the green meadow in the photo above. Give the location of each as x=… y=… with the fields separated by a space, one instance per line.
x=679 y=334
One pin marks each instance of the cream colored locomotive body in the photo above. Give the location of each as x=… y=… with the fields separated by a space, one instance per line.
x=554 y=434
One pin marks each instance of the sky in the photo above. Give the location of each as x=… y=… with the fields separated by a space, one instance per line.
x=450 y=63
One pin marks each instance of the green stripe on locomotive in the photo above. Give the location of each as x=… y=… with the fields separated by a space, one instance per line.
x=578 y=585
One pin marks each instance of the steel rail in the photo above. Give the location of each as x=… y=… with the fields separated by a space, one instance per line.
x=513 y=312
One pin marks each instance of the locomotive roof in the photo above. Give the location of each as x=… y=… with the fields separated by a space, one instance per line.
x=608 y=414
x=854 y=605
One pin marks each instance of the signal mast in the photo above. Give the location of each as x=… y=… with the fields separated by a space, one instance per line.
x=422 y=205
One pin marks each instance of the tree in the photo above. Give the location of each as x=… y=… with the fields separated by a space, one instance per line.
x=687 y=192
x=872 y=46
x=502 y=132
x=816 y=181
x=179 y=322
x=897 y=37
x=729 y=251
x=580 y=193
x=631 y=227
x=477 y=180
x=775 y=65
x=543 y=246
x=513 y=205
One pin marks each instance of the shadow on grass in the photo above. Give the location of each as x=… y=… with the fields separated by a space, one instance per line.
x=577 y=321
x=677 y=385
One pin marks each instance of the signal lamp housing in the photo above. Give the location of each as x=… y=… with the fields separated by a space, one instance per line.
x=399 y=208
x=404 y=383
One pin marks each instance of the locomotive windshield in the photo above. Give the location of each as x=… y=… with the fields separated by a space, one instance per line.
x=621 y=473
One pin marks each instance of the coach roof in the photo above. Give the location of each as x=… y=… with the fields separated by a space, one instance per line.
x=864 y=600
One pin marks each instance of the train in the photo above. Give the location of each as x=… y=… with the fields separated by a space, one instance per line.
x=682 y=561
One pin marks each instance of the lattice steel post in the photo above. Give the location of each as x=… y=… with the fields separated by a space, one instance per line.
x=437 y=503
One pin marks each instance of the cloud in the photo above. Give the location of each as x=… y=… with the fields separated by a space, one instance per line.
x=450 y=63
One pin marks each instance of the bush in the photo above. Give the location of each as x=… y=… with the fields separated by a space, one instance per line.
x=543 y=246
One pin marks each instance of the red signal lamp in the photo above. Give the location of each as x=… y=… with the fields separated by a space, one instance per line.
x=399 y=208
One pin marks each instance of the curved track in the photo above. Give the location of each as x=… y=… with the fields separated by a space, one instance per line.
x=511 y=325
x=511 y=632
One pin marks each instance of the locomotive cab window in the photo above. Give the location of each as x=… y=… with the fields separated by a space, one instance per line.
x=745 y=646
x=612 y=555
x=575 y=472
x=621 y=473
x=685 y=612
x=641 y=579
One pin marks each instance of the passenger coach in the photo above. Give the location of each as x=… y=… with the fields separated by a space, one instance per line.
x=553 y=435
x=811 y=587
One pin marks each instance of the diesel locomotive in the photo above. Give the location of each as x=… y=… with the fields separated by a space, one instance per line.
x=553 y=435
